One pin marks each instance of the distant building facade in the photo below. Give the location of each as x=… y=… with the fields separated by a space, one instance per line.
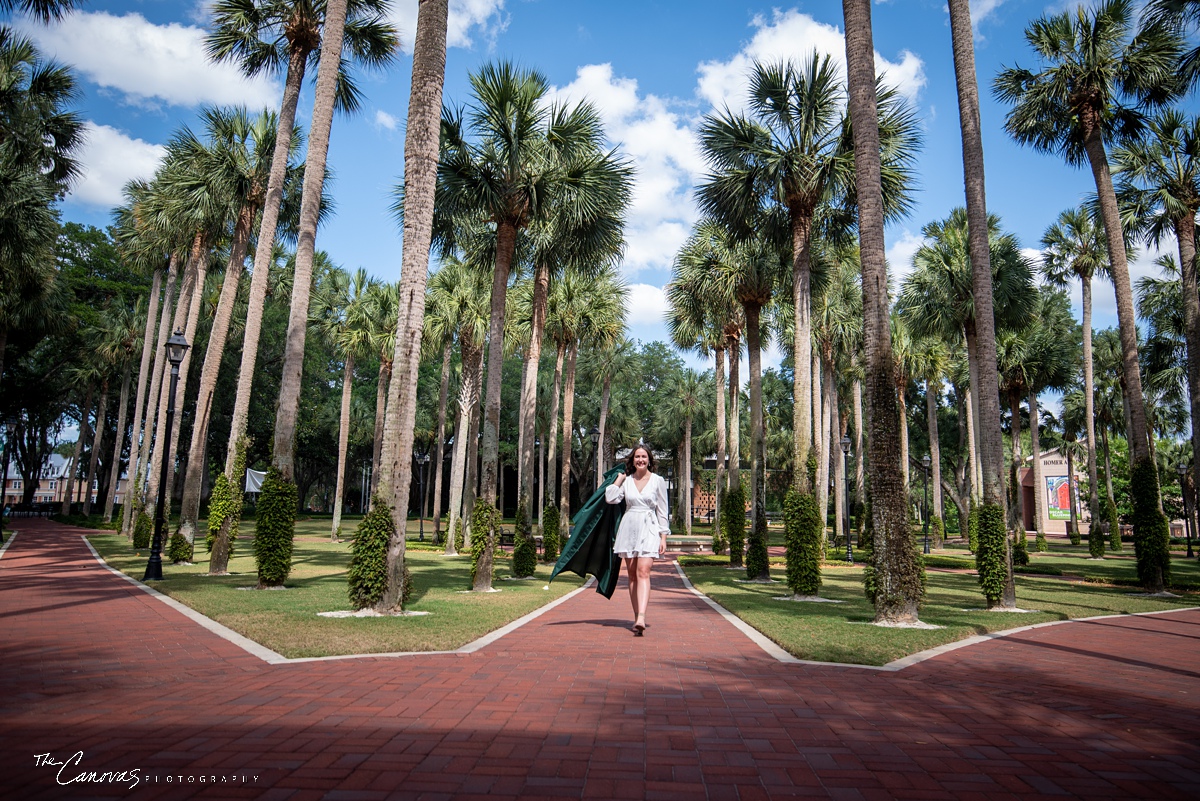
x=1056 y=490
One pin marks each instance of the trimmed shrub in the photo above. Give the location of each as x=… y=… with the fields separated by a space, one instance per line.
x=973 y=529
x=1096 y=535
x=368 y=573
x=485 y=523
x=550 y=543
x=225 y=512
x=524 y=548
x=143 y=529
x=1151 y=531
x=179 y=550
x=1108 y=512
x=991 y=554
x=1072 y=535
x=758 y=566
x=459 y=538
x=719 y=542
x=1041 y=546
x=802 y=534
x=275 y=529
x=733 y=524
x=937 y=531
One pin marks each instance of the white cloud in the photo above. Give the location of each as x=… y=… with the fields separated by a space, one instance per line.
x=486 y=16
x=385 y=120
x=663 y=148
x=900 y=254
x=149 y=63
x=790 y=35
x=110 y=160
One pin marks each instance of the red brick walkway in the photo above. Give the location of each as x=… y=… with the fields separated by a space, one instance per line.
x=573 y=706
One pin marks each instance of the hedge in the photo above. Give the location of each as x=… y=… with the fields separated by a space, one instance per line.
x=274 y=530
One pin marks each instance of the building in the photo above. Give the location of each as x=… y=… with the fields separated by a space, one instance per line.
x=1057 y=492
x=52 y=485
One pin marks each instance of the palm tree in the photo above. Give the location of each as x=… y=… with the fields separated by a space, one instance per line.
x=341 y=315
x=685 y=397
x=269 y=36
x=792 y=156
x=1074 y=247
x=42 y=10
x=1094 y=64
x=897 y=587
x=420 y=175
x=384 y=302
x=1160 y=179
x=120 y=344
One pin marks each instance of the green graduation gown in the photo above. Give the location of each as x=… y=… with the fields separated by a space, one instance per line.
x=590 y=549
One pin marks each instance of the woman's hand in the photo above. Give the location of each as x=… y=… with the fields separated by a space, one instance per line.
x=620 y=480
x=662 y=544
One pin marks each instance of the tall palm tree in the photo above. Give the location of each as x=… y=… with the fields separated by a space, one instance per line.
x=897 y=586
x=791 y=156
x=384 y=302
x=1094 y=64
x=341 y=315
x=270 y=36
x=1159 y=177
x=41 y=10
x=1073 y=247
x=685 y=398
x=421 y=141
x=121 y=341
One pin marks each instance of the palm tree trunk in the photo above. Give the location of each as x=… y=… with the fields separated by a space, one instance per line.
x=196 y=467
x=758 y=450
x=141 y=474
x=84 y=411
x=420 y=173
x=859 y=476
x=1017 y=518
x=601 y=455
x=343 y=445
x=506 y=243
x=686 y=476
x=440 y=445
x=719 y=378
x=471 y=490
x=1089 y=403
x=802 y=409
x=552 y=437
x=1071 y=490
x=1107 y=465
x=97 y=440
x=898 y=576
x=528 y=408
x=114 y=470
x=902 y=406
x=933 y=391
x=735 y=417
x=256 y=302
x=1039 y=483
x=468 y=397
x=817 y=448
x=839 y=479
x=381 y=390
x=564 y=490
x=1185 y=235
x=287 y=409
x=149 y=349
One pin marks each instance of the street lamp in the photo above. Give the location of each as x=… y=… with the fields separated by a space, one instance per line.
x=594 y=436
x=1182 y=470
x=10 y=425
x=422 y=460
x=925 y=463
x=176 y=346
x=846 y=494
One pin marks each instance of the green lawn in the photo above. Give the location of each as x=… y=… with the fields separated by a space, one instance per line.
x=839 y=632
x=287 y=621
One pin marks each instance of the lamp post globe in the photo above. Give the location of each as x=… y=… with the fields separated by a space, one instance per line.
x=177 y=347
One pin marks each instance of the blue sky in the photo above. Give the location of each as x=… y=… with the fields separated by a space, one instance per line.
x=652 y=68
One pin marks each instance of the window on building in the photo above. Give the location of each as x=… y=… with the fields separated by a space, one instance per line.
x=16 y=484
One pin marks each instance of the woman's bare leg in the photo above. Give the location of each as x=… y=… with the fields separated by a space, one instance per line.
x=632 y=574
x=643 y=588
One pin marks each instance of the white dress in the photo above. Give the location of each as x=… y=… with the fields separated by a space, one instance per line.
x=645 y=517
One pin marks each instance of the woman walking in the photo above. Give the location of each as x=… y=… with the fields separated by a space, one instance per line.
x=642 y=535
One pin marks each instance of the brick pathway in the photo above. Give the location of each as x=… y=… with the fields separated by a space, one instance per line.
x=573 y=706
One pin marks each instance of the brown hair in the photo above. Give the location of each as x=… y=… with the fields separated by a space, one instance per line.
x=629 y=468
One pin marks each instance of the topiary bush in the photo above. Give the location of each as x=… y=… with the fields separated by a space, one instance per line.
x=485 y=523
x=368 y=573
x=973 y=529
x=802 y=534
x=275 y=528
x=225 y=512
x=459 y=537
x=550 y=542
x=1041 y=546
x=758 y=565
x=1096 y=535
x=1021 y=547
x=1108 y=512
x=179 y=550
x=937 y=531
x=1151 y=531
x=719 y=542
x=143 y=529
x=733 y=523
x=524 y=548
x=991 y=554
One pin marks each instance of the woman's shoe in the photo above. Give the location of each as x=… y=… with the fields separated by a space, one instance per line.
x=638 y=628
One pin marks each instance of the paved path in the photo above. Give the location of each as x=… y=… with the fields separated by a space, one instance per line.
x=573 y=706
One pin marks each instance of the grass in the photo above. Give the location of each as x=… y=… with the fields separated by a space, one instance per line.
x=839 y=632
x=287 y=621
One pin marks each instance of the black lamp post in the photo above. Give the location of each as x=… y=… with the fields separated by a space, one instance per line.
x=925 y=463
x=1182 y=470
x=422 y=461
x=176 y=346
x=594 y=436
x=10 y=426
x=846 y=494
